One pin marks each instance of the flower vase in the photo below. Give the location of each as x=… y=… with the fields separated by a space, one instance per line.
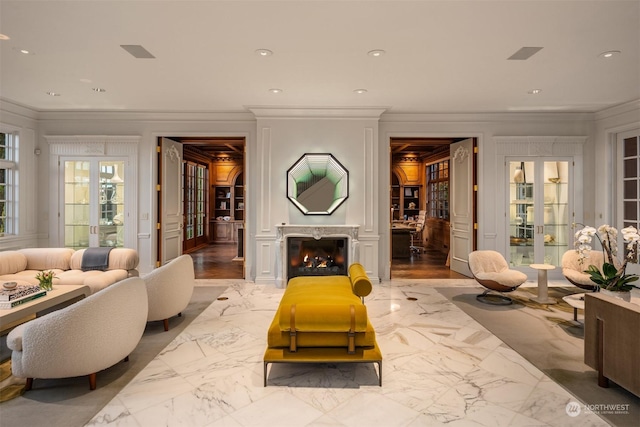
x=623 y=295
x=47 y=285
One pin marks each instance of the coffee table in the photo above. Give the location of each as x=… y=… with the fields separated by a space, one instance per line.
x=543 y=287
x=59 y=297
x=576 y=301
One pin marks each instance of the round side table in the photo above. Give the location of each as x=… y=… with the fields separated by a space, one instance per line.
x=576 y=301
x=543 y=287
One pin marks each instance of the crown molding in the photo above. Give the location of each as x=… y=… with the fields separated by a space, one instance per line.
x=313 y=112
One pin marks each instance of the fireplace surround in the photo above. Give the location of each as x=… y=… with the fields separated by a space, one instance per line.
x=346 y=252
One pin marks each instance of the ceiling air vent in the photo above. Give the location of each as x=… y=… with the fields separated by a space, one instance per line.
x=137 y=51
x=525 y=53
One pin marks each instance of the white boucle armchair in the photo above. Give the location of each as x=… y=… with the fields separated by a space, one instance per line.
x=492 y=271
x=84 y=338
x=169 y=289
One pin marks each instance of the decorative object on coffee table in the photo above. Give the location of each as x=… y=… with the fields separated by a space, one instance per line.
x=46 y=279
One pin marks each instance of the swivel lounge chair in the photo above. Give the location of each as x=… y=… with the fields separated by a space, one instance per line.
x=491 y=270
x=574 y=272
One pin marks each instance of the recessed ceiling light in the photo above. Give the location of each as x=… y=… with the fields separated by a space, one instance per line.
x=376 y=53
x=53 y=93
x=609 y=53
x=534 y=91
x=23 y=51
x=4 y=37
x=98 y=89
x=275 y=90
x=264 y=52
x=360 y=91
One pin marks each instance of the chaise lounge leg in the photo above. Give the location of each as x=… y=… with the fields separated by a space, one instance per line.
x=29 y=384
x=92 y=381
x=166 y=324
x=265 y=373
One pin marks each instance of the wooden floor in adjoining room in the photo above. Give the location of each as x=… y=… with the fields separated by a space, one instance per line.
x=216 y=261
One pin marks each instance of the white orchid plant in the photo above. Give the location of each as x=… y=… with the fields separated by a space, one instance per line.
x=611 y=277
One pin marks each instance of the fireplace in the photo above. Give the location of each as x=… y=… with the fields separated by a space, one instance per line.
x=317 y=257
x=345 y=252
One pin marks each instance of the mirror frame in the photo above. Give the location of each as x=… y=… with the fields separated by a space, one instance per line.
x=317 y=168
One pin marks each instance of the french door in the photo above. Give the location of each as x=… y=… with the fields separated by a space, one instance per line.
x=195 y=197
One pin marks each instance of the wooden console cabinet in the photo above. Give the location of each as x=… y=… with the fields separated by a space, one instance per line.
x=611 y=344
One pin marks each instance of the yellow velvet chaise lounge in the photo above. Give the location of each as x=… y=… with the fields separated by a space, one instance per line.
x=323 y=319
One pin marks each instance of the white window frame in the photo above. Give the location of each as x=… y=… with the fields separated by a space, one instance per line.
x=10 y=164
x=620 y=221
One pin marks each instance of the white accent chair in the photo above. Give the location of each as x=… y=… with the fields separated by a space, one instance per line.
x=574 y=272
x=169 y=289
x=491 y=270
x=84 y=338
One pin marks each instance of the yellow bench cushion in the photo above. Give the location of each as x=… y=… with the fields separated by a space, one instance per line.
x=277 y=338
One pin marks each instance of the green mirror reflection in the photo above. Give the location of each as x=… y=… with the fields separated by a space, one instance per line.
x=317 y=184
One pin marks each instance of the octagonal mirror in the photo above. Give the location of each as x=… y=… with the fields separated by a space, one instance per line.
x=317 y=184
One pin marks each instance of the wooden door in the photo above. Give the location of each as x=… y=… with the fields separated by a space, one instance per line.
x=462 y=206
x=169 y=200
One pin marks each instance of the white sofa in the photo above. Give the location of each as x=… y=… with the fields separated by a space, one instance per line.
x=24 y=264
x=83 y=338
x=169 y=289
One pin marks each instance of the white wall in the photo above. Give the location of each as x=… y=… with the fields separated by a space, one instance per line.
x=359 y=139
x=283 y=137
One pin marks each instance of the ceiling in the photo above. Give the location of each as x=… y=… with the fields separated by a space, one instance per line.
x=441 y=56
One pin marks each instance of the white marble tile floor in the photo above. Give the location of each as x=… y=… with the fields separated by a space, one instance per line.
x=440 y=367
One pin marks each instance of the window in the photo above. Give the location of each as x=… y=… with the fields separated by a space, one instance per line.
x=628 y=186
x=8 y=142
x=438 y=190
x=631 y=181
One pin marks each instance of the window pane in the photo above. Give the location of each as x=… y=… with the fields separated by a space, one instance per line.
x=630 y=147
x=630 y=189
x=630 y=167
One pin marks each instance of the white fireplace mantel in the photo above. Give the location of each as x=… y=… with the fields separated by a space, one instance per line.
x=317 y=232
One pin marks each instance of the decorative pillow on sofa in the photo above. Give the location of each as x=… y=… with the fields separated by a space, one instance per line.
x=47 y=258
x=11 y=262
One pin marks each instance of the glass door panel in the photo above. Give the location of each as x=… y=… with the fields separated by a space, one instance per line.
x=556 y=211
x=93 y=209
x=521 y=213
x=539 y=211
x=110 y=228
x=77 y=199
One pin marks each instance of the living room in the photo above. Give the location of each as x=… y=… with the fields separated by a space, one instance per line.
x=351 y=78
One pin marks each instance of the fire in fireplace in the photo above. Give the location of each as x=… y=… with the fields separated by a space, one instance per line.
x=322 y=257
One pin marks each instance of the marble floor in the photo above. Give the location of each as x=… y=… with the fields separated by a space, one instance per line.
x=440 y=367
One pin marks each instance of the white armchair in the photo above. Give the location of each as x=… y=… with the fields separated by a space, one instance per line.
x=83 y=338
x=574 y=271
x=169 y=289
x=492 y=271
